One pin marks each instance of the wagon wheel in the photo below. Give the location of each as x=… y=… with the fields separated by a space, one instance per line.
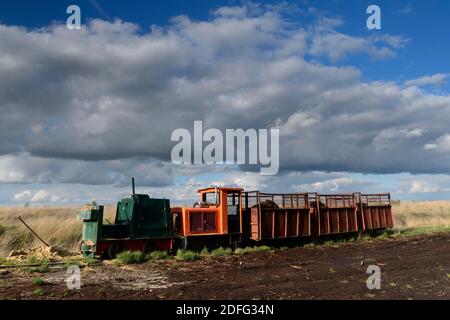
x=113 y=249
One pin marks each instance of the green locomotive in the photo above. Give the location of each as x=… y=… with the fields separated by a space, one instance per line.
x=141 y=224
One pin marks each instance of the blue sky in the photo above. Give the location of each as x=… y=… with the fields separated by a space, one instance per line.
x=379 y=99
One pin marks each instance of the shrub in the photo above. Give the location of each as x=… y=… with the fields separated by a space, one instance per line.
x=2 y=230
x=187 y=255
x=38 y=282
x=157 y=255
x=204 y=251
x=130 y=257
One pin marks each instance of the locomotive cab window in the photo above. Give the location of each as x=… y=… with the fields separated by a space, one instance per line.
x=211 y=198
x=233 y=202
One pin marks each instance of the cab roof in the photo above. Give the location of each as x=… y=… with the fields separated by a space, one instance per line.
x=212 y=189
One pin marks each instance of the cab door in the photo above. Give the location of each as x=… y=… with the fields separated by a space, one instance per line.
x=234 y=212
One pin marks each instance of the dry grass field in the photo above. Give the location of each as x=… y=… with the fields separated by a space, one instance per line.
x=417 y=214
x=59 y=226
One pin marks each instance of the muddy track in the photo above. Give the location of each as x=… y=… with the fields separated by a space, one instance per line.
x=411 y=268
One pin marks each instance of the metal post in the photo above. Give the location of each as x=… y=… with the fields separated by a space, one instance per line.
x=20 y=218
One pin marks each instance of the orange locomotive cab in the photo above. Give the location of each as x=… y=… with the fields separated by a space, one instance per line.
x=215 y=220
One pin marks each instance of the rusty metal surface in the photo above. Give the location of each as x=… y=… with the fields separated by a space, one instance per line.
x=375 y=210
x=277 y=216
x=335 y=214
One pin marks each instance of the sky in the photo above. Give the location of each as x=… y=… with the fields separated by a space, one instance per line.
x=357 y=109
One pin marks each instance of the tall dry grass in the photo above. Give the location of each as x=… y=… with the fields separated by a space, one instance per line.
x=60 y=226
x=57 y=226
x=415 y=214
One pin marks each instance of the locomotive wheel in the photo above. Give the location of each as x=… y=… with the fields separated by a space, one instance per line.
x=147 y=248
x=113 y=249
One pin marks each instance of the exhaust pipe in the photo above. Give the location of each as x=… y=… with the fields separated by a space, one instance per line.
x=133 y=186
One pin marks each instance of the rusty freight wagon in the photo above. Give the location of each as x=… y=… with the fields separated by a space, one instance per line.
x=334 y=214
x=276 y=216
x=269 y=216
x=375 y=211
x=350 y=213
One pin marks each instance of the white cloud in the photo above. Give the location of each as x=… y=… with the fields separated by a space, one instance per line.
x=422 y=184
x=437 y=79
x=442 y=144
x=422 y=187
x=343 y=184
x=24 y=195
x=35 y=196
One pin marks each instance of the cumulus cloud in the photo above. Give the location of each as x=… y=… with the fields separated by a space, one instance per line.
x=25 y=168
x=423 y=184
x=342 y=184
x=422 y=187
x=435 y=80
x=36 y=196
x=99 y=105
x=329 y=42
x=442 y=144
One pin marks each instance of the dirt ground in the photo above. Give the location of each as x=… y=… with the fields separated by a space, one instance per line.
x=411 y=268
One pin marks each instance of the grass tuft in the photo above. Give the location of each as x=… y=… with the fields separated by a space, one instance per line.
x=222 y=252
x=38 y=292
x=2 y=230
x=411 y=232
x=187 y=255
x=157 y=255
x=247 y=250
x=130 y=257
x=38 y=282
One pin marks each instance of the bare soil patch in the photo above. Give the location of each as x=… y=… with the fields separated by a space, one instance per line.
x=412 y=268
